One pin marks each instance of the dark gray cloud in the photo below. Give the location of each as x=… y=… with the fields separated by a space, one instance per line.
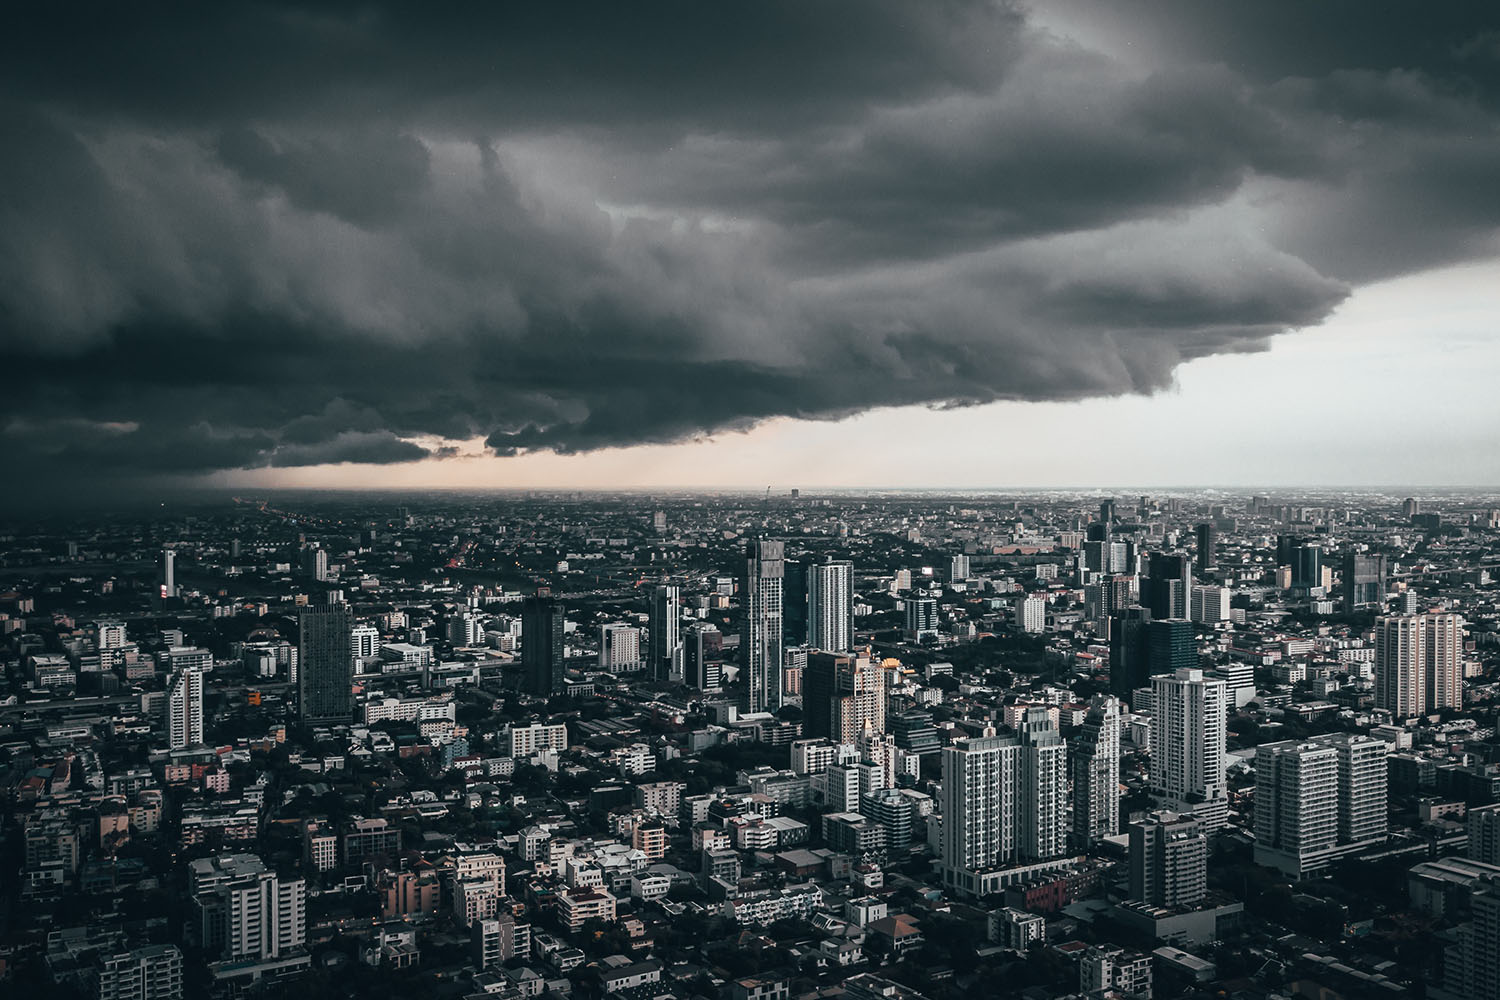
x=265 y=235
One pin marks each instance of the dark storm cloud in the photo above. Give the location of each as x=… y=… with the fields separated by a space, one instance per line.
x=262 y=235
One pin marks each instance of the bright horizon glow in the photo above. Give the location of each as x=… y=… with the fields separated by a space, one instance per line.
x=1401 y=385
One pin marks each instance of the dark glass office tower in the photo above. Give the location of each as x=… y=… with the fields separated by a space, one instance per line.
x=1129 y=664
x=1169 y=586
x=1208 y=548
x=325 y=662
x=542 y=648
x=1170 y=645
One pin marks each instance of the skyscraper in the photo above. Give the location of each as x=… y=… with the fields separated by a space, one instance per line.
x=843 y=696
x=168 y=574
x=1443 y=636
x=1003 y=800
x=1168 y=585
x=664 y=620
x=980 y=775
x=1129 y=663
x=185 y=709
x=1364 y=580
x=760 y=632
x=1207 y=556
x=701 y=650
x=1171 y=645
x=1401 y=665
x=830 y=606
x=1042 y=796
x=325 y=664
x=1307 y=566
x=1317 y=798
x=1094 y=762
x=1211 y=604
x=958 y=568
x=1188 y=741
x=1484 y=833
x=1296 y=805
x=921 y=618
x=795 y=585
x=542 y=645
x=1168 y=860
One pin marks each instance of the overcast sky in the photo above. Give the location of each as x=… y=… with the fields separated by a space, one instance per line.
x=865 y=243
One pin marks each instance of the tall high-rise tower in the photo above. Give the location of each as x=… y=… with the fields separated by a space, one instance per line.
x=542 y=645
x=760 y=633
x=185 y=709
x=830 y=606
x=1188 y=742
x=1443 y=636
x=1094 y=758
x=664 y=648
x=1168 y=860
x=1401 y=665
x=325 y=662
x=1207 y=556
x=1129 y=660
x=843 y=696
x=1168 y=585
x=1364 y=580
x=1043 y=793
x=168 y=574
x=980 y=775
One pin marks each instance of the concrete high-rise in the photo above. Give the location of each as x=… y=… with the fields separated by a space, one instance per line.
x=1401 y=665
x=830 y=606
x=1188 y=742
x=1168 y=860
x=168 y=574
x=1318 y=799
x=1443 y=637
x=153 y=972
x=325 y=664
x=980 y=775
x=1211 y=604
x=761 y=625
x=185 y=709
x=1296 y=805
x=1004 y=803
x=664 y=643
x=1043 y=792
x=1484 y=834
x=1094 y=763
x=843 y=696
x=543 y=649
x=958 y=568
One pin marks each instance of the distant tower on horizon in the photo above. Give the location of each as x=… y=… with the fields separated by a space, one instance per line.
x=168 y=574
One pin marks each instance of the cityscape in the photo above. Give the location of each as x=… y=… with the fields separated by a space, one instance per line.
x=794 y=744
x=792 y=500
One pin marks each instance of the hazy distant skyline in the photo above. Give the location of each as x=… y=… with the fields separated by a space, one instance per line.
x=835 y=244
